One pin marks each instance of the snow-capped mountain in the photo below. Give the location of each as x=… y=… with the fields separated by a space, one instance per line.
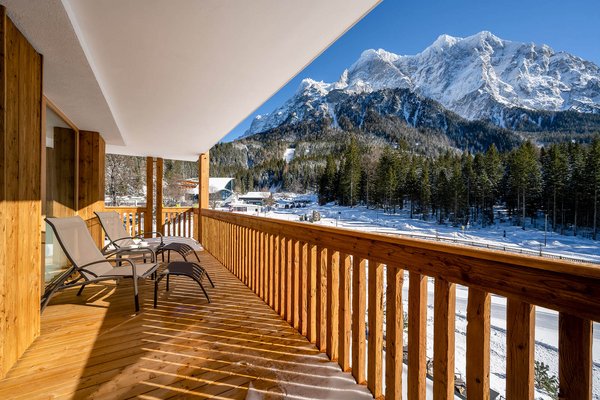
x=477 y=77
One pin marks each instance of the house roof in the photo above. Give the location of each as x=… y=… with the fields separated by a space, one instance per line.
x=256 y=195
x=171 y=78
x=216 y=185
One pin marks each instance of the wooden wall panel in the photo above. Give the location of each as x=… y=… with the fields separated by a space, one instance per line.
x=20 y=192
x=91 y=181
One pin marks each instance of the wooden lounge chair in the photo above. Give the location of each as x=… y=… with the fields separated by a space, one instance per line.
x=89 y=265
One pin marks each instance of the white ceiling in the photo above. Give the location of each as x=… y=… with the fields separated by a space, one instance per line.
x=69 y=82
x=173 y=77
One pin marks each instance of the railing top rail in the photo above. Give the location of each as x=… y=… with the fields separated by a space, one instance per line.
x=125 y=208
x=556 y=284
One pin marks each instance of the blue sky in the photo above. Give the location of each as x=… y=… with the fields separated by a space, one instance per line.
x=408 y=27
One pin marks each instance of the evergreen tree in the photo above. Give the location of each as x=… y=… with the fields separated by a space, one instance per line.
x=425 y=192
x=350 y=175
x=328 y=182
x=593 y=168
x=555 y=174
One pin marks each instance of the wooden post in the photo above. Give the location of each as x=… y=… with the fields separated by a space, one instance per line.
x=394 y=322
x=149 y=194
x=375 y=343
x=574 y=357
x=159 y=195
x=520 y=343
x=345 y=312
x=417 y=335
x=443 y=339
x=478 y=344
x=359 y=308
x=91 y=182
x=203 y=175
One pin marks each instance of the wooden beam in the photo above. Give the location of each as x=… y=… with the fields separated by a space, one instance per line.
x=417 y=335
x=478 y=345
x=91 y=181
x=345 y=313
x=333 y=282
x=520 y=343
x=394 y=322
x=574 y=358
x=375 y=341
x=443 y=339
x=359 y=308
x=203 y=195
x=159 y=195
x=148 y=217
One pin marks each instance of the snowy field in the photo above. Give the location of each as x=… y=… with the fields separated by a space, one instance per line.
x=500 y=235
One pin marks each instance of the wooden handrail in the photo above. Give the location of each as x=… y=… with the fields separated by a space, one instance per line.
x=312 y=267
x=132 y=217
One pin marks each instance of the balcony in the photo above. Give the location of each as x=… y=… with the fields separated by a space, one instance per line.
x=234 y=347
x=298 y=311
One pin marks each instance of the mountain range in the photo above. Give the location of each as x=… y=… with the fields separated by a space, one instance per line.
x=453 y=83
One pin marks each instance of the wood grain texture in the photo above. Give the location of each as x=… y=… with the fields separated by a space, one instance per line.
x=574 y=358
x=159 y=195
x=304 y=288
x=312 y=293
x=185 y=348
x=333 y=282
x=321 y=299
x=20 y=192
x=359 y=309
x=555 y=284
x=443 y=339
x=91 y=182
x=149 y=194
x=478 y=345
x=375 y=340
x=417 y=335
x=345 y=313
x=394 y=322
x=520 y=346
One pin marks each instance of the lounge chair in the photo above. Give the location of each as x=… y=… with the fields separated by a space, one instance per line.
x=89 y=265
x=120 y=240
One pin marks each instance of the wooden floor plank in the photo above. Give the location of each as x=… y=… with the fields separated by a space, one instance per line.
x=93 y=346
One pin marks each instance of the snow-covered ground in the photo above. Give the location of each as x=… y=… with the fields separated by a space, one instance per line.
x=500 y=235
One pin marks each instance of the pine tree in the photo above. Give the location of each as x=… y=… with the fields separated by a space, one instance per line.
x=425 y=192
x=327 y=182
x=350 y=175
x=593 y=168
x=555 y=174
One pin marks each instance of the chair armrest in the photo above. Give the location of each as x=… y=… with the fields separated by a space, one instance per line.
x=114 y=242
x=160 y=235
x=83 y=267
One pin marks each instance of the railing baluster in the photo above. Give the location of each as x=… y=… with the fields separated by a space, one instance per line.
x=288 y=283
x=282 y=276
x=345 y=313
x=444 y=315
x=520 y=343
x=417 y=335
x=312 y=293
x=574 y=357
x=478 y=344
x=358 y=318
x=304 y=288
x=321 y=298
x=375 y=340
x=394 y=323
x=276 y=275
x=333 y=282
x=296 y=284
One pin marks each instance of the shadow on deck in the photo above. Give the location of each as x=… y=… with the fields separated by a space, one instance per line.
x=233 y=348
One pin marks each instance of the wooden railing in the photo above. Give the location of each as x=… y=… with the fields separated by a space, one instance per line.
x=132 y=217
x=178 y=221
x=316 y=279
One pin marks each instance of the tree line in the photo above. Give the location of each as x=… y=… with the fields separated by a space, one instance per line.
x=560 y=182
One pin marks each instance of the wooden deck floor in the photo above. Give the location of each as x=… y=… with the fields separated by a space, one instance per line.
x=236 y=347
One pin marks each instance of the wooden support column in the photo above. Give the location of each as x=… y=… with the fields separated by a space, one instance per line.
x=20 y=192
x=159 y=195
x=203 y=175
x=91 y=182
x=149 y=194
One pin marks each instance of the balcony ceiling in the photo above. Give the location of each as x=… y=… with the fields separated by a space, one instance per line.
x=171 y=78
